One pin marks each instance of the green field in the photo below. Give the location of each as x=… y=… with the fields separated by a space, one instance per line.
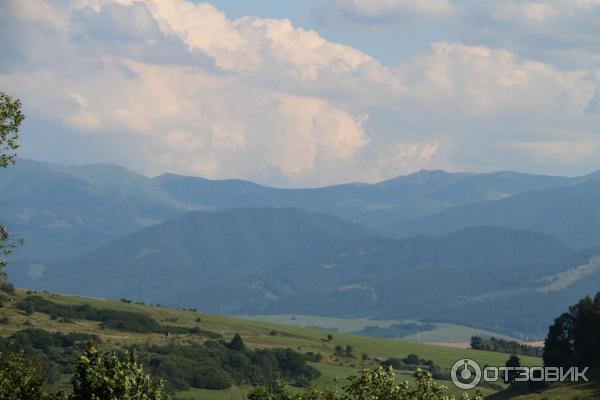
x=443 y=333
x=256 y=334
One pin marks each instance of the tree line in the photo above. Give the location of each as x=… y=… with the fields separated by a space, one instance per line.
x=574 y=338
x=504 y=346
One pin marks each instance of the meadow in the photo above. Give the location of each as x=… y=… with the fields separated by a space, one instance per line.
x=256 y=335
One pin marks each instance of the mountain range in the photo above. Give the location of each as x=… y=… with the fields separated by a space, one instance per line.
x=504 y=251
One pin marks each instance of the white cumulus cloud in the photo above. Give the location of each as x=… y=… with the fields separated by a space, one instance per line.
x=196 y=92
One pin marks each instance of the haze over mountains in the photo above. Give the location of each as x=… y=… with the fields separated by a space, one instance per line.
x=504 y=251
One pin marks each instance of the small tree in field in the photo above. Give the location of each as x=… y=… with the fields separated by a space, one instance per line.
x=237 y=343
x=512 y=362
x=100 y=376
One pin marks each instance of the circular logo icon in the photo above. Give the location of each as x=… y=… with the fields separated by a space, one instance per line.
x=465 y=374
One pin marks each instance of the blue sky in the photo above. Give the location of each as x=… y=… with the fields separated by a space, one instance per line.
x=307 y=93
x=390 y=43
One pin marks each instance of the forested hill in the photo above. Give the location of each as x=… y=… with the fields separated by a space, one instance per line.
x=293 y=261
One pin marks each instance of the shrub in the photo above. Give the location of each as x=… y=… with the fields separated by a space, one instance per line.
x=107 y=376
x=370 y=384
x=412 y=359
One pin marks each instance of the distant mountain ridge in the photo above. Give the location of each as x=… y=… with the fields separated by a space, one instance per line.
x=570 y=213
x=65 y=210
x=397 y=199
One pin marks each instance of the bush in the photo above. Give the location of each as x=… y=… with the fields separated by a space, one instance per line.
x=370 y=384
x=107 y=376
x=18 y=379
x=395 y=363
x=113 y=319
x=7 y=287
x=412 y=359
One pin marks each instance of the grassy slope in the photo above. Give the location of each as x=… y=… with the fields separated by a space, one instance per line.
x=581 y=391
x=256 y=334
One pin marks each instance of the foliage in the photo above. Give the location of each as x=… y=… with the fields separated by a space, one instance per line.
x=376 y=384
x=18 y=379
x=216 y=365
x=236 y=343
x=504 y=346
x=54 y=353
x=127 y=321
x=21 y=380
x=115 y=319
x=409 y=360
x=573 y=337
x=11 y=118
x=512 y=362
x=106 y=376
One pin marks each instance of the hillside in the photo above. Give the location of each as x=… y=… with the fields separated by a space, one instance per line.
x=206 y=260
x=283 y=261
x=256 y=335
x=65 y=211
x=456 y=278
x=569 y=213
x=589 y=390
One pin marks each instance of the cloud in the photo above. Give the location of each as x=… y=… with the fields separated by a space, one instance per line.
x=553 y=30
x=388 y=11
x=480 y=81
x=565 y=151
x=189 y=90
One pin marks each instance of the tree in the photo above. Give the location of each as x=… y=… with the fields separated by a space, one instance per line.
x=237 y=343
x=101 y=376
x=586 y=332
x=477 y=343
x=329 y=337
x=412 y=359
x=512 y=362
x=11 y=118
x=19 y=380
x=573 y=337
x=349 y=350
x=22 y=380
x=338 y=351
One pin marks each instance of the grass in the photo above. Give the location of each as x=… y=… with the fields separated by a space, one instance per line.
x=443 y=333
x=582 y=391
x=256 y=334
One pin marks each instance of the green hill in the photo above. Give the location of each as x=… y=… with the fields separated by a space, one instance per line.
x=291 y=261
x=180 y=326
x=569 y=213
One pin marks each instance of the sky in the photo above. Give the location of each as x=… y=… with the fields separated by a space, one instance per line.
x=307 y=93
